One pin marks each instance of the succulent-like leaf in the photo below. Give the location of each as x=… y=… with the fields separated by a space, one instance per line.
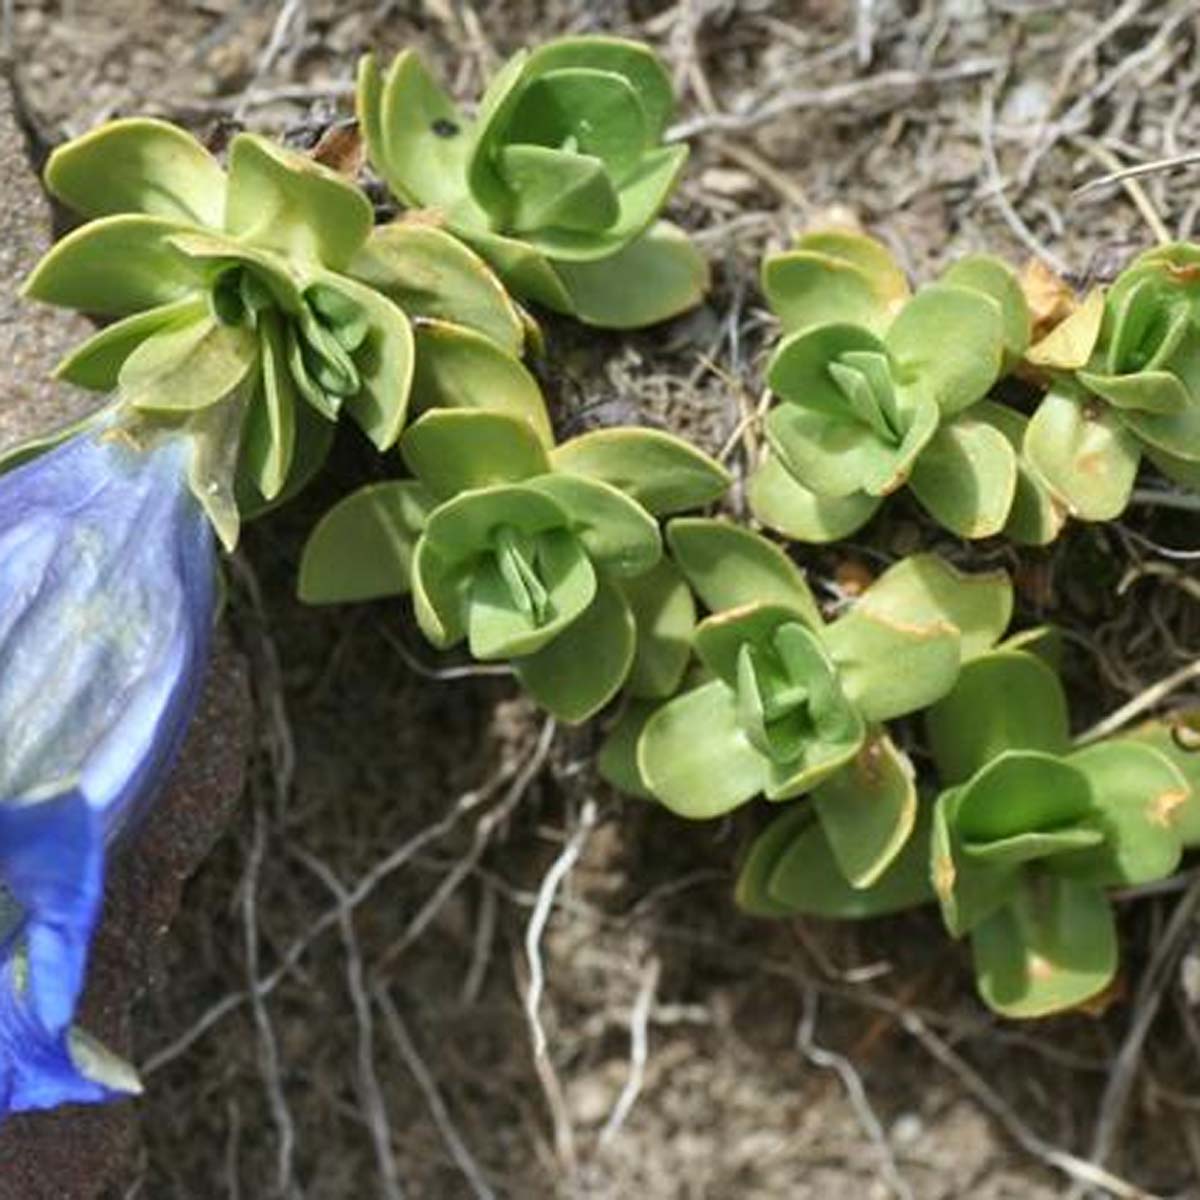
x=720 y=639
x=966 y=477
x=706 y=775
x=618 y=534
x=672 y=276
x=383 y=362
x=793 y=870
x=729 y=566
x=1139 y=795
x=187 y=367
x=1178 y=738
x=139 y=165
x=1036 y=517
x=1085 y=454
x=557 y=189
x=664 y=615
x=96 y=363
x=663 y=473
x=525 y=271
x=835 y=275
x=431 y=274
x=1051 y=948
x=269 y=436
x=752 y=893
x=1005 y=700
x=891 y=667
x=362 y=548
x=288 y=202
x=868 y=809
x=457 y=367
x=501 y=624
x=784 y=504
x=994 y=278
x=583 y=668
x=616 y=762
x=418 y=141
x=115 y=266
x=949 y=342
x=924 y=588
x=633 y=62
x=453 y=450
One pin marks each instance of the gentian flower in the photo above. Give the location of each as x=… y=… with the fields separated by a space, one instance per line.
x=107 y=601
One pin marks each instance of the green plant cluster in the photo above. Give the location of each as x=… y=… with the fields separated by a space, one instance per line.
x=254 y=305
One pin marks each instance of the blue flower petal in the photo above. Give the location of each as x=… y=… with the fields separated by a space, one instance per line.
x=107 y=599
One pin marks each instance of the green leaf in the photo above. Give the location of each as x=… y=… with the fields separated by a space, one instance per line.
x=363 y=547
x=663 y=473
x=616 y=762
x=96 y=363
x=459 y=368
x=869 y=809
x=966 y=478
x=805 y=878
x=1154 y=392
x=418 y=141
x=269 y=437
x=313 y=440
x=752 y=893
x=641 y=198
x=453 y=450
x=583 y=668
x=618 y=534
x=840 y=456
x=834 y=275
x=720 y=638
x=673 y=276
x=440 y=583
x=1139 y=795
x=730 y=566
x=968 y=889
x=781 y=502
x=695 y=757
x=526 y=272
x=187 y=367
x=632 y=61
x=1177 y=739
x=1005 y=700
x=889 y=667
x=799 y=369
x=1085 y=454
x=923 y=588
x=139 y=165
x=1174 y=434
x=290 y=203
x=484 y=182
x=384 y=362
x=1178 y=470
x=1019 y=792
x=553 y=188
x=949 y=343
x=1036 y=518
x=595 y=111
x=664 y=616
x=498 y=627
x=994 y=278
x=467 y=525
x=115 y=266
x=431 y=274
x=1052 y=948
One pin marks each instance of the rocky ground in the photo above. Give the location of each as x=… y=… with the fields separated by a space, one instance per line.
x=344 y=1005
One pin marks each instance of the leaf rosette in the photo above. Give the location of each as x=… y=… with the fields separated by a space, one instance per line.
x=549 y=559
x=1030 y=832
x=878 y=389
x=1125 y=385
x=791 y=704
x=559 y=179
x=265 y=290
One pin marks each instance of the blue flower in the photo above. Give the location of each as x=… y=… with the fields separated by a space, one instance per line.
x=107 y=601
